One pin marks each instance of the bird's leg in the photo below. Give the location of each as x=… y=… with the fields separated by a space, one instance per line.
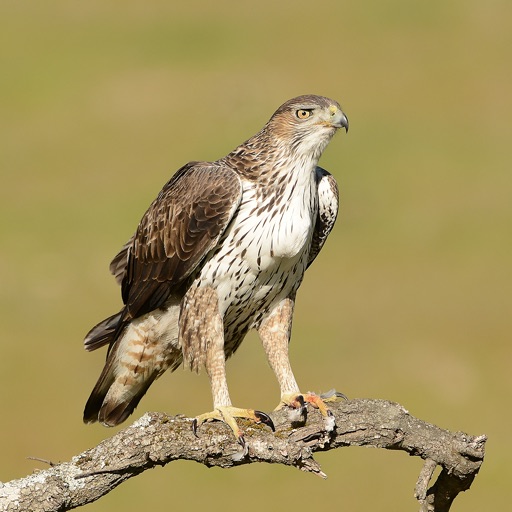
x=211 y=345
x=275 y=332
x=222 y=408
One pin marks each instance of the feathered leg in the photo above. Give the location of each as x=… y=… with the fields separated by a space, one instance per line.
x=202 y=341
x=275 y=333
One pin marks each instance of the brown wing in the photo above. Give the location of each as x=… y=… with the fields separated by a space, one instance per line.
x=120 y=261
x=178 y=230
x=328 y=202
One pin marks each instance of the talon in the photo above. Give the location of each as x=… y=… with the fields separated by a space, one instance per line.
x=302 y=404
x=194 y=427
x=332 y=396
x=239 y=456
x=292 y=401
x=296 y=405
x=319 y=402
x=301 y=408
x=228 y=415
x=264 y=418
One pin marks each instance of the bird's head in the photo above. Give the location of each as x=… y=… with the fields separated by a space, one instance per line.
x=306 y=124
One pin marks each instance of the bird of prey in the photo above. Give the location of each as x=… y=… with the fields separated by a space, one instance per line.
x=221 y=250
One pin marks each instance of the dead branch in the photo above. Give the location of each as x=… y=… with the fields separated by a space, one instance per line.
x=157 y=439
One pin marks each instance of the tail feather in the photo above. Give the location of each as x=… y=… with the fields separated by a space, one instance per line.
x=103 y=333
x=116 y=409
x=128 y=373
x=98 y=394
x=112 y=401
x=139 y=352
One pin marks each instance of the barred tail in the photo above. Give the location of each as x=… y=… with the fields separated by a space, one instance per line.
x=138 y=354
x=111 y=401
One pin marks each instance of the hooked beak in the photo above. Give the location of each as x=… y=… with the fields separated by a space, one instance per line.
x=340 y=121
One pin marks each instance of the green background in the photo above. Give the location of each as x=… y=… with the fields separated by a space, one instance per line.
x=101 y=101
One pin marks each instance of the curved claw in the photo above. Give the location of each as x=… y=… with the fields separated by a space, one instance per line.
x=264 y=418
x=295 y=403
x=194 y=427
x=239 y=456
x=241 y=441
x=302 y=405
x=227 y=415
x=332 y=395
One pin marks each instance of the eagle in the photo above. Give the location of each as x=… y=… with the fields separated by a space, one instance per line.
x=222 y=250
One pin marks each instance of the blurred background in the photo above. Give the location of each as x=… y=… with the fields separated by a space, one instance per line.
x=102 y=101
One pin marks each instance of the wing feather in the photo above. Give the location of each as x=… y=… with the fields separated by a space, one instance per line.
x=328 y=203
x=176 y=233
x=119 y=263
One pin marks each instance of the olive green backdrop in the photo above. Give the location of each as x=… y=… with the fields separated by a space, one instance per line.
x=101 y=101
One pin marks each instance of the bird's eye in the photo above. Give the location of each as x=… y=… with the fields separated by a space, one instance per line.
x=303 y=114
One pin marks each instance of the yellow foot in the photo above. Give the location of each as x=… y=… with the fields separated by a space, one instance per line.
x=297 y=404
x=227 y=414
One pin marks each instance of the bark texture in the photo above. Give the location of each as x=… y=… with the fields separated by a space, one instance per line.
x=157 y=439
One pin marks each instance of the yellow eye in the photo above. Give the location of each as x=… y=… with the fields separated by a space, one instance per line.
x=303 y=114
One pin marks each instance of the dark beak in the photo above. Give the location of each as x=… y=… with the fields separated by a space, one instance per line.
x=344 y=122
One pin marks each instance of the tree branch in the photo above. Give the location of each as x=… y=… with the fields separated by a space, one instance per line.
x=157 y=439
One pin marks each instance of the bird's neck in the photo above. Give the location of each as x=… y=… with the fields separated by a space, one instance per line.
x=266 y=160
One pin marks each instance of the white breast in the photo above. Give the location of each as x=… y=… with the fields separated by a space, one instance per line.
x=280 y=228
x=269 y=239
x=291 y=230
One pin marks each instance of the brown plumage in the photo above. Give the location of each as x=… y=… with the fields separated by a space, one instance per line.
x=221 y=250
